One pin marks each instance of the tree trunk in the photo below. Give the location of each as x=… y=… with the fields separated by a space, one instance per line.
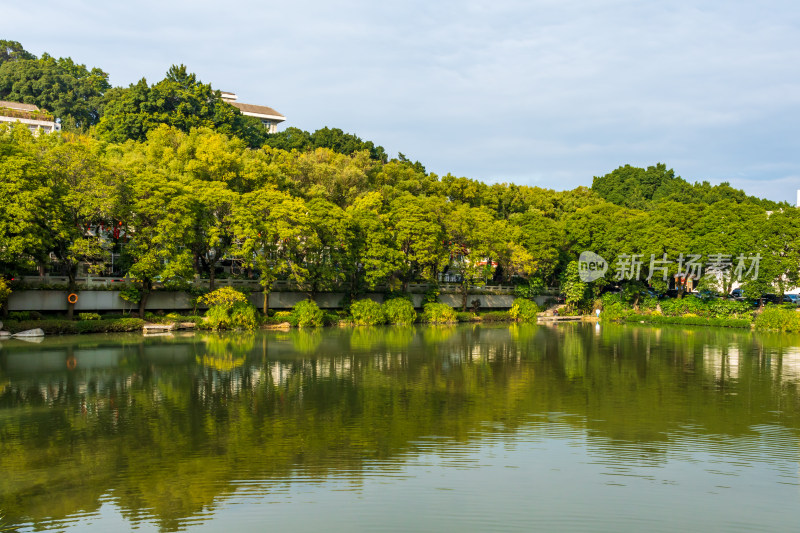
x=147 y=286
x=265 y=304
x=464 y=297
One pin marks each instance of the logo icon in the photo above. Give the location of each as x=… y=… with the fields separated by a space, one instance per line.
x=591 y=267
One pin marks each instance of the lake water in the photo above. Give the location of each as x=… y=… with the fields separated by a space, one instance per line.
x=574 y=427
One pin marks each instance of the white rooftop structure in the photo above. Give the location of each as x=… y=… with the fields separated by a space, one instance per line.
x=268 y=116
x=38 y=120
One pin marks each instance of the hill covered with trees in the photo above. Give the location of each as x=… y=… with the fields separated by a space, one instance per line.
x=177 y=181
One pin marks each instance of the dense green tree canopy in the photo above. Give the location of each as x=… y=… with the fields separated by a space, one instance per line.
x=189 y=201
x=641 y=188
x=68 y=90
x=189 y=183
x=13 y=51
x=332 y=138
x=179 y=100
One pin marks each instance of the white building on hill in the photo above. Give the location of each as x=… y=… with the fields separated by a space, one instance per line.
x=268 y=116
x=38 y=120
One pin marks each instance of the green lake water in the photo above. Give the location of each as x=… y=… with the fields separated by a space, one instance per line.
x=574 y=427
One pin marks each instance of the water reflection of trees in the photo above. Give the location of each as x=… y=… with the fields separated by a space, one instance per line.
x=162 y=426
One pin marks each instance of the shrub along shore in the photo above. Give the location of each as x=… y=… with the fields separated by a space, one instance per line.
x=229 y=309
x=693 y=311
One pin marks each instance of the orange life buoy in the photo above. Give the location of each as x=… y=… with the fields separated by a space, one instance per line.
x=72 y=298
x=72 y=362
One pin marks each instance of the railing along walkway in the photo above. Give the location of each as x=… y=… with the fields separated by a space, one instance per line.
x=254 y=285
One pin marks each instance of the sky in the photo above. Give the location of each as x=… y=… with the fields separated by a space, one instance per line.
x=546 y=93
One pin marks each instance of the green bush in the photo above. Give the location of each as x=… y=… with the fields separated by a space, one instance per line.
x=110 y=326
x=437 y=313
x=88 y=316
x=50 y=326
x=690 y=320
x=228 y=309
x=226 y=297
x=496 y=316
x=367 y=312
x=648 y=303
x=65 y=327
x=283 y=316
x=244 y=316
x=466 y=316
x=241 y=315
x=112 y=316
x=614 y=308
x=399 y=311
x=218 y=317
x=308 y=314
x=775 y=318
x=524 y=310
x=19 y=315
x=706 y=308
x=330 y=318
x=170 y=318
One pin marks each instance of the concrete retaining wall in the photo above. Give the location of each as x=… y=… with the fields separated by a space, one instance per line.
x=93 y=301
x=33 y=300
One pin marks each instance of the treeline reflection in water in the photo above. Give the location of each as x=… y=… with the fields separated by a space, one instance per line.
x=168 y=427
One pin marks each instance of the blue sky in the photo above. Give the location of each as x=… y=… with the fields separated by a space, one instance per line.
x=539 y=92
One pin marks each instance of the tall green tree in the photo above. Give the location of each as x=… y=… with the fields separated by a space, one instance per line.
x=723 y=232
x=417 y=226
x=179 y=100
x=374 y=258
x=81 y=205
x=325 y=254
x=471 y=239
x=157 y=210
x=543 y=238
x=66 y=89
x=13 y=51
x=272 y=230
x=25 y=197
